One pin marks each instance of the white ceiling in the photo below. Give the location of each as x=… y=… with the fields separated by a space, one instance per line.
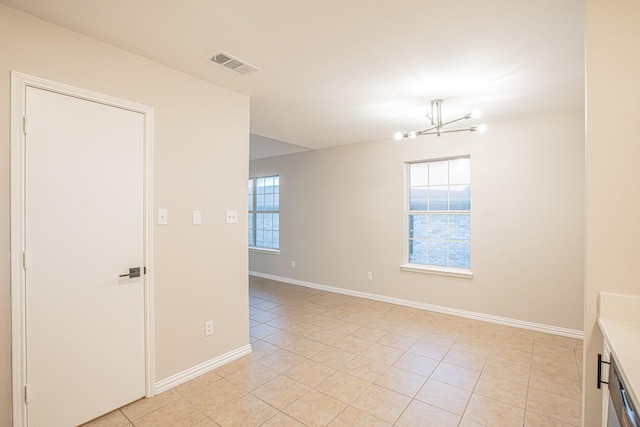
x=342 y=72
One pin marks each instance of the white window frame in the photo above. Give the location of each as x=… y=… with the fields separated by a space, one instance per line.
x=253 y=213
x=426 y=268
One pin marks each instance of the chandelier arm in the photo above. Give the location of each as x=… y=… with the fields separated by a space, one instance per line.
x=435 y=129
x=471 y=129
x=424 y=132
x=456 y=120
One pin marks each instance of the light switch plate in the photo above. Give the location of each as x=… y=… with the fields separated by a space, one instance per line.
x=197 y=217
x=162 y=217
x=232 y=217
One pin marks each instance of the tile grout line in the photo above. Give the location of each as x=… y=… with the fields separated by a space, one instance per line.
x=526 y=400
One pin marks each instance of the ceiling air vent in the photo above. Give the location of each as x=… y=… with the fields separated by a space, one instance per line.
x=233 y=63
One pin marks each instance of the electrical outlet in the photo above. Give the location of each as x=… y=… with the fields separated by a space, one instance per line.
x=293 y=264
x=208 y=328
x=369 y=275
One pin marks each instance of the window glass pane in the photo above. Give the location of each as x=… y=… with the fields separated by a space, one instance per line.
x=460 y=227
x=259 y=238
x=439 y=172
x=460 y=197
x=418 y=198
x=437 y=253
x=459 y=254
x=250 y=185
x=276 y=241
x=460 y=171
x=276 y=202
x=438 y=227
x=418 y=226
x=439 y=198
x=260 y=186
x=260 y=202
x=266 y=223
x=250 y=201
x=276 y=221
x=417 y=251
x=259 y=221
x=268 y=185
x=418 y=174
x=276 y=184
x=268 y=238
x=268 y=202
x=250 y=230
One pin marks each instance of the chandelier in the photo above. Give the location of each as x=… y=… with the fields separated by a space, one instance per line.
x=438 y=127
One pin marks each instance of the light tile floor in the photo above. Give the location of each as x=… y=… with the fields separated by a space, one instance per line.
x=321 y=359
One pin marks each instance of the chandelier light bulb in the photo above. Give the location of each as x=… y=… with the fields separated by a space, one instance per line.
x=475 y=114
x=398 y=136
x=482 y=128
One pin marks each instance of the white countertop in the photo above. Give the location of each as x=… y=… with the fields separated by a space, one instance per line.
x=619 y=320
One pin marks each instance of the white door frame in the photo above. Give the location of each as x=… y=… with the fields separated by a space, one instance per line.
x=19 y=84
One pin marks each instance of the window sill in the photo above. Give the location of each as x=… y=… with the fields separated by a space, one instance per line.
x=442 y=271
x=264 y=250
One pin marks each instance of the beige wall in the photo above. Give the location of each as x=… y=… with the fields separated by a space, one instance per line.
x=342 y=215
x=201 y=162
x=613 y=169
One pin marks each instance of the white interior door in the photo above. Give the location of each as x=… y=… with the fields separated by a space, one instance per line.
x=84 y=184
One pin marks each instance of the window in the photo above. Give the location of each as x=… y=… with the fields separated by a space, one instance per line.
x=264 y=212
x=439 y=213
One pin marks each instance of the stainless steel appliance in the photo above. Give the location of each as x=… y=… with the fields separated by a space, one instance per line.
x=622 y=411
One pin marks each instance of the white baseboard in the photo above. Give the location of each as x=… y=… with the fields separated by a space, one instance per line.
x=538 y=327
x=184 y=376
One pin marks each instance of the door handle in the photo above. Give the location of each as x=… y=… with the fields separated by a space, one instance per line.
x=133 y=272
x=600 y=362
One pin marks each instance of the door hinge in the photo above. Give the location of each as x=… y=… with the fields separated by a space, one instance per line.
x=24 y=125
x=26 y=393
x=24 y=260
